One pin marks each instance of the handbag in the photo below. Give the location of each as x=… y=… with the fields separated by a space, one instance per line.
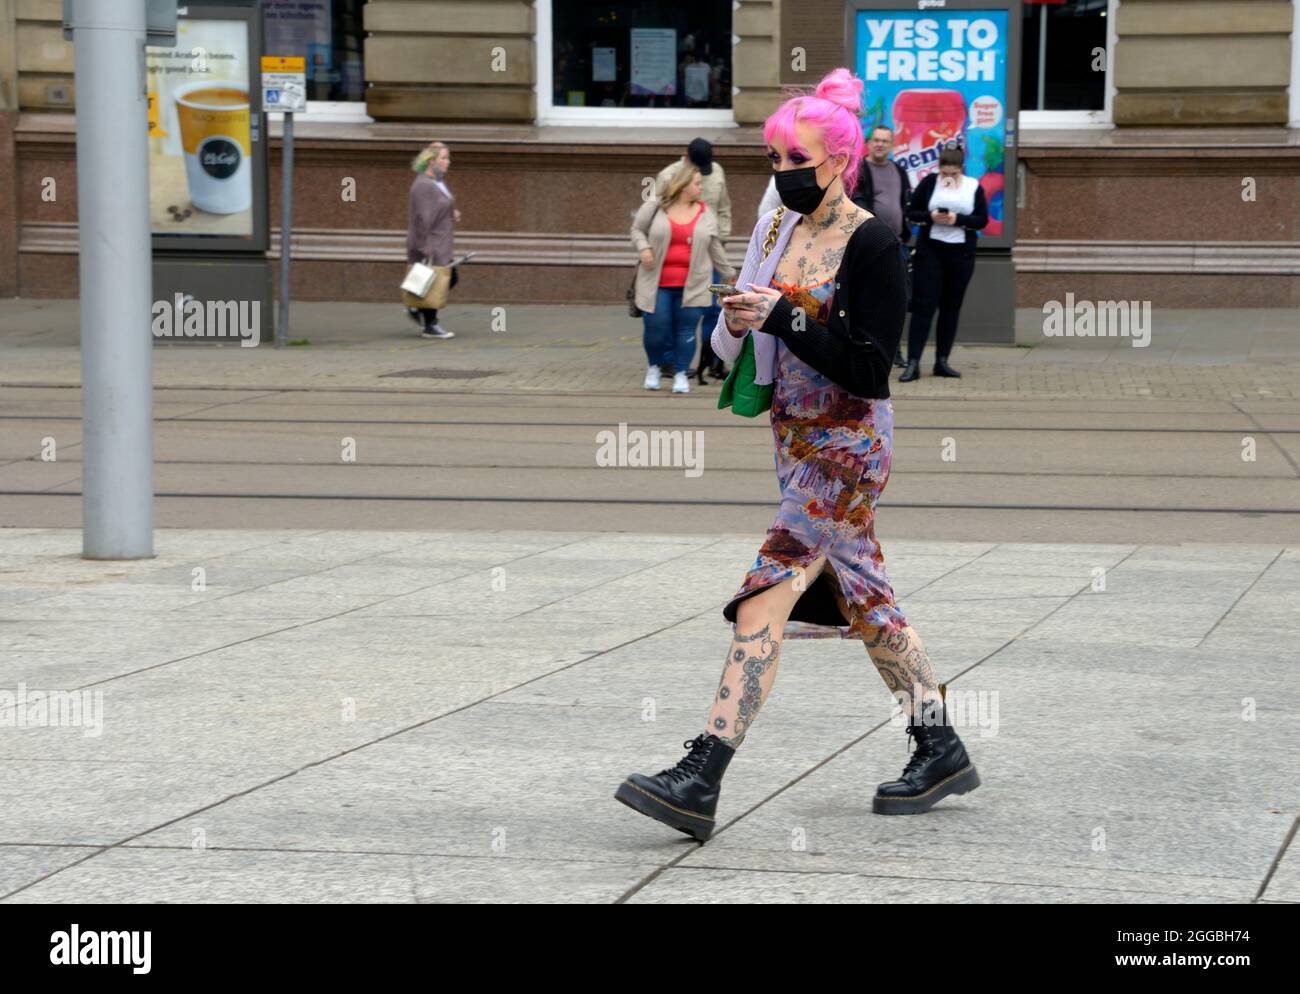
x=739 y=391
x=632 y=309
x=426 y=286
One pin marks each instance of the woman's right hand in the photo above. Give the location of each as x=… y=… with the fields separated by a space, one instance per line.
x=728 y=315
x=647 y=257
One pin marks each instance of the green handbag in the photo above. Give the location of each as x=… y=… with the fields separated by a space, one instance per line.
x=739 y=391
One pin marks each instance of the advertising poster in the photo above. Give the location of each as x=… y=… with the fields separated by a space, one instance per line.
x=200 y=152
x=654 y=62
x=936 y=77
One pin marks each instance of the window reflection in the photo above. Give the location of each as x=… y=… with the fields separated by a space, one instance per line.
x=641 y=53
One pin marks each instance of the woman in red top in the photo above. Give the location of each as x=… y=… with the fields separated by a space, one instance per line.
x=678 y=241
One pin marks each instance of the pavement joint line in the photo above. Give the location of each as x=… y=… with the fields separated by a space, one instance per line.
x=690 y=551
x=211 y=407
x=1249 y=587
x=957 y=880
x=1270 y=435
x=522 y=392
x=189 y=418
x=208 y=601
x=947 y=573
x=1277 y=859
x=356 y=748
x=670 y=502
x=377 y=852
x=61 y=483
x=300 y=624
x=670 y=470
x=561 y=860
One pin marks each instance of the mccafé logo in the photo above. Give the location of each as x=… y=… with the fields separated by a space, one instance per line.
x=219 y=157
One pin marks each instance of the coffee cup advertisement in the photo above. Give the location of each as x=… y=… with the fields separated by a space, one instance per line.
x=200 y=154
x=938 y=78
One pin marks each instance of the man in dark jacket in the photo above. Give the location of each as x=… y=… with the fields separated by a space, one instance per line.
x=883 y=188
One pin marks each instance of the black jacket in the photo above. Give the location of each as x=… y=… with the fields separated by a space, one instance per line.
x=855 y=348
x=864 y=194
x=918 y=212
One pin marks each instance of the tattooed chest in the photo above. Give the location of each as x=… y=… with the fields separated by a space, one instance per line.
x=807 y=262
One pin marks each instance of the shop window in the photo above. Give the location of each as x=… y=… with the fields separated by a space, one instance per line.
x=328 y=34
x=1065 y=55
x=641 y=54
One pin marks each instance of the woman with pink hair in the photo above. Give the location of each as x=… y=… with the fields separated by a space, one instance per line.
x=825 y=301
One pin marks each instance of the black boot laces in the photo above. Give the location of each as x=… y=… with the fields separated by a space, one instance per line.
x=692 y=763
x=924 y=748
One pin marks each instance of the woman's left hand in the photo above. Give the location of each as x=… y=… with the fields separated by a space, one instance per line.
x=456 y=214
x=751 y=308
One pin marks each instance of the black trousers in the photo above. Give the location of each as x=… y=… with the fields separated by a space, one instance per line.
x=940 y=275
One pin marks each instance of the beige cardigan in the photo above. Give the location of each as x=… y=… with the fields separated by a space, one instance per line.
x=652 y=230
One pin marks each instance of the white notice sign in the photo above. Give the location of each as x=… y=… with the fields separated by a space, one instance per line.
x=284 y=83
x=654 y=61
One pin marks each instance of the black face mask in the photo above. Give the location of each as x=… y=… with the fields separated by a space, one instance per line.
x=799 y=190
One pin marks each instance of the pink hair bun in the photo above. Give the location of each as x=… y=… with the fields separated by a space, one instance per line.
x=841 y=87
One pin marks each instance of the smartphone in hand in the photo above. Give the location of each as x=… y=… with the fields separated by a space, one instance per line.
x=723 y=290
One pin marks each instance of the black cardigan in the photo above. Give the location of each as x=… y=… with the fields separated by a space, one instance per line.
x=855 y=348
x=918 y=211
x=864 y=194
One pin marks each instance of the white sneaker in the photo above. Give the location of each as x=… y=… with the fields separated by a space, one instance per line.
x=680 y=383
x=652 y=378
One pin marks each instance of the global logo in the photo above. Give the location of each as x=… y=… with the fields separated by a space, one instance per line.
x=219 y=157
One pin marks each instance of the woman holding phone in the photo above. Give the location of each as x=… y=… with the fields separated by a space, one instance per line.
x=950 y=207
x=825 y=300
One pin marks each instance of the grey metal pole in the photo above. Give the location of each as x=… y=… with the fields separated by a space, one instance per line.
x=1042 y=57
x=116 y=279
x=286 y=228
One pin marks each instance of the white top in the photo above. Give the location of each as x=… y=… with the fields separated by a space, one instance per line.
x=771 y=199
x=443 y=187
x=960 y=197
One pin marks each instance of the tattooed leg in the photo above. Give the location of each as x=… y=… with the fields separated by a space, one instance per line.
x=750 y=670
x=747 y=677
x=904 y=665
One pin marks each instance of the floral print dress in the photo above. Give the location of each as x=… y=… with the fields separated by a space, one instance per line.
x=832 y=459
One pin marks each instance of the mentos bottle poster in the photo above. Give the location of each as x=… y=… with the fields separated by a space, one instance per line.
x=935 y=78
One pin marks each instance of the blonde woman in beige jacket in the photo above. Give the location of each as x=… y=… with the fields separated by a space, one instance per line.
x=680 y=247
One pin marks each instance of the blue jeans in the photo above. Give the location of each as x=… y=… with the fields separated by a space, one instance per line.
x=669 y=336
x=710 y=322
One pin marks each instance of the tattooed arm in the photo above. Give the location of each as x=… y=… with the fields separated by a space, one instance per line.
x=855 y=348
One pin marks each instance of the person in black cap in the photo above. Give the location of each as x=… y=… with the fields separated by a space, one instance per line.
x=714 y=193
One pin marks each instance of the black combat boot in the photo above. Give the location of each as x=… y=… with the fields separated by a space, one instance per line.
x=912 y=371
x=941 y=367
x=684 y=796
x=938 y=767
